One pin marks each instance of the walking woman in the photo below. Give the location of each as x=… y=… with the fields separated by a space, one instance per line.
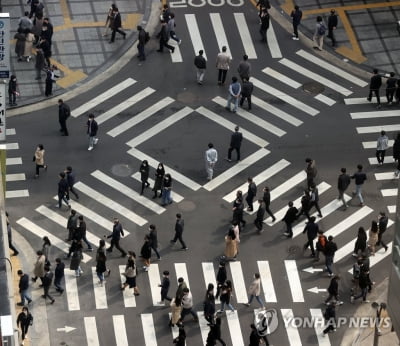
x=373 y=237
x=24 y=320
x=144 y=175
x=230 y=245
x=176 y=310
x=46 y=249
x=166 y=190
x=160 y=171
x=209 y=304
x=101 y=260
x=38 y=158
x=226 y=294
x=76 y=259
x=145 y=253
x=130 y=275
x=29 y=38
x=361 y=242
x=20 y=44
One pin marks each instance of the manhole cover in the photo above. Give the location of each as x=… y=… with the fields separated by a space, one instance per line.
x=122 y=170
x=186 y=205
x=186 y=97
x=313 y=87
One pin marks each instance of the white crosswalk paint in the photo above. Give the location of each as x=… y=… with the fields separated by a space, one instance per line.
x=319 y=321
x=266 y=281
x=62 y=221
x=10 y=132
x=176 y=56
x=204 y=328
x=245 y=35
x=127 y=191
x=40 y=232
x=375 y=129
x=17 y=193
x=375 y=114
x=148 y=112
x=129 y=297
x=284 y=97
x=71 y=288
x=315 y=76
x=194 y=33
x=11 y=146
x=100 y=296
x=181 y=272
x=239 y=286
x=372 y=144
x=252 y=118
x=102 y=97
x=273 y=44
x=130 y=102
x=219 y=31
x=374 y=160
x=109 y=203
x=325 y=99
x=276 y=111
x=356 y=101
x=11 y=161
x=297 y=203
x=389 y=192
x=15 y=177
x=92 y=338
x=209 y=275
x=121 y=339
x=331 y=68
x=149 y=331
x=177 y=197
x=291 y=328
x=260 y=178
x=391 y=209
x=230 y=126
x=234 y=328
x=237 y=168
x=294 y=281
x=161 y=126
x=281 y=77
x=288 y=184
x=154 y=281
x=176 y=176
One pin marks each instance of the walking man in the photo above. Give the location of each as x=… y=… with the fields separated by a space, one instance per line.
x=223 y=61
x=187 y=305
x=142 y=40
x=234 y=94
x=247 y=90
x=47 y=280
x=391 y=88
x=381 y=145
x=163 y=36
x=374 y=86
x=267 y=202
x=63 y=188
x=333 y=290
x=116 y=25
x=236 y=143
x=359 y=178
x=330 y=249
x=244 y=68
x=251 y=193
x=289 y=218
x=81 y=231
x=92 y=129
x=312 y=230
x=259 y=221
x=382 y=226
x=296 y=15
x=179 y=226
x=72 y=224
x=221 y=278
x=211 y=157
x=165 y=283
x=255 y=290
x=311 y=171
x=71 y=180
x=330 y=318
x=201 y=65
x=63 y=114
x=23 y=286
x=116 y=237
x=153 y=240
x=332 y=25
x=58 y=275
x=314 y=202
x=343 y=184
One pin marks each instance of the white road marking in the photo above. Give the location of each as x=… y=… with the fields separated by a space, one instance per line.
x=204 y=328
x=15 y=177
x=100 y=296
x=291 y=328
x=194 y=33
x=356 y=101
x=209 y=276
x=245 y=35
x=11 y=146
x=317 y=316
x=121 y=339
x=234 y=328
x=154 y=281
x=281 y=78
x=10 y=132
x=92 y=337
x=17 y=193
x=374 y=160
x=389 y=192
x=372 y=144
x=129 y=297
x=325 y=99
x=288 y=184
x=391 y=209
x=181 y=272
x=266 y=281
x=273 y=44
x=375 y=129
x=294 y=281
x=10 y=161
x=219 y=31
x=71 y=288
x=149 y=331
x=375 y=114
x=176 y=56
x=386 y=176
x=239 y=287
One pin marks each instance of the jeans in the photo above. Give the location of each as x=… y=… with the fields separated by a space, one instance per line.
x=166 y=196
x=258 y=298
x=57 y=283
x=87 y=242
x=229 y=306
x=25 y=295
x=62 y=198
x=173 y=36
x=78 y=271
x=92 y=141
x=200 y=75
x=235 y=101
x=358 y=193
x=328 y=263
x=100 y=276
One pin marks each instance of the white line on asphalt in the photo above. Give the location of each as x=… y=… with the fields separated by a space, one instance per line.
x=102 y=97
x=71 y=288
x=325 y=99
x=375 y=129
x=386 y=176
x=121 y=338
x=109 y=203
x=148 y=112
x=154 y=282
x=389 y=192
x=194 y=33
x=284 y=97
x=375 y=114
x=176 y=56
x=176 y=176
x=129 y=297
x=149 y=331
x=276 y=111
x=356 y=101
x=15 y=177
x=127 y=191
x=391 y=209
x=234 y=328
x=10 y=161
x=291 y=328
x=273 y=44
x=281 y=77
x=294 y=281
x=237 y=168
x=331 y=68
x=231 y=126
x=315 y=76
x=209 y=275
x=100 y=296
x=317 y=316
x=204 y=328
x=288 y=184
x=245 y=35
x=92 y=337
x=219 y=31
x=239 y=287
x=260 y=178
x=252 y=118
x=11 y=146
x=161 y=126
x=17 y=193
x=374 y=160
x=130 y=102
x=266 y=281
x=10 y=132
x=181 y=272
x=372 y=144
x=40 y=232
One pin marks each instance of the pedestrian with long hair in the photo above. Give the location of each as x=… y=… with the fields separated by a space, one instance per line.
x=373 y=237
x=226 y=295
x=230 y=245
x=46 y=248
x=214 y=334
x=209 y=304
x=38 y=158
x=130 y=274
x=145 y=253
x=158 y=182
x=101 y=260
x=24 y=320
x=176 y=310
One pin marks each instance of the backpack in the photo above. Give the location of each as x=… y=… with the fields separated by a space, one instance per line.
x=321 y=29
x=146 y=37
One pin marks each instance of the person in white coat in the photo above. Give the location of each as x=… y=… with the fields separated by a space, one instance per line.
x=211 y=158
x=255 y=290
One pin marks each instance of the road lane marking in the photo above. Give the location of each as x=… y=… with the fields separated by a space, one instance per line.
x=209 y=276
x=273 y=44
x=282 y=78
x=375 y=114
x=245 y=35
x=15 y=177
x=204 y=328
x=374 y=160
x=325 y=99
x=234 y=328
x=267 y=282
x=121 y=339
x=219 y=31
x=294 y=281
x=389 y=192
x=291 y=328
x=386 y=176
x=71 y=287
x=176 y=56
x=356 y=101
x=100 y=296
x=373 y=144
x=10 y=132
x=375 y=129
x=92 y=337
x=11 y=161
x=129 y=297
x=154 y=281
x=149 y=331
x=17 y=193
x=239 y=287
x=319 y=326
x=194 y=33
x=181 y=272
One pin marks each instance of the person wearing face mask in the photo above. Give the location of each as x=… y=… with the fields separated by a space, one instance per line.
x=160 y=171
x=12 y=90
x=144 y=175
x=166 y=190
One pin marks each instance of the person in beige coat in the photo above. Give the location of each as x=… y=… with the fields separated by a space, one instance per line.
x=230 y=245
x=29 y=38
x=373 y=237
x=38 y=269
x=176 y=310
x=38 y=158
x=255 y=290
x=223 y=61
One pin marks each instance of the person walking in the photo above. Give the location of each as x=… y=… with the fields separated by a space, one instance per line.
x=71 y=181
x=305 y=205
x=343 y=184
x=374 y=86
x=320 y=245
x=314 y=199
x=255 y=337
x=176 y=310
x=180 y=340
x=76 y=258
x=130 y=275
x=24 y=22
x=24 y=320
x=255 y=291
x=237 y=209
x=153 y=240
x=20 y=43
x=201 y=65
x=59 y=275
x=332 y=25
x=13 y=90
x=236 y=143
x=145 y=253
x=166 y=190
x=363 y=282
x=159 y=176
x=211 y=158
x=311 y=229
x=267 y=202
x=319 y=33
x=259 y=221
x=46 y=249
x=361 y=242
x=38 y=270
x=47 y=280
x=373 y=237
x=391 y=88
x=163 y=37
x=92 y=129
x=244 y=68
x=109 y=19
x=187 y=305
x=223 y=61
x=214 y=334
x=382 y=226
x=165 y=284
x=143 y=38
x=81 y=230
x=181 y=286
x=226 y=294
x=38 y=158
x=264 y=25
x=230 y=252
x=330 y=249
x=144 y=170
x=63 y=114
x=72 y=224
x=234 y=94
x=179 y=227
x=359 y=178
x=29 y=38
x=247 y=90
x=9 y=234
x=251 y=193
x=330 y=318
x=116 y=25
x=311 y=171
x=39 y=63
x=289 y=218
x=101 y=259
x=333 y=290
x=221 y=277
x=381 y=145
x=115 y=236
x=209 y=305
x=23 y=287
x=296 y=15
x=396 y=153
x=50 y=80
x=171 y=25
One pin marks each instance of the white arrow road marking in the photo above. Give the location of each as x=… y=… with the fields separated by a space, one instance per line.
x=316 y=290
x=312 y=270
x=66 y=329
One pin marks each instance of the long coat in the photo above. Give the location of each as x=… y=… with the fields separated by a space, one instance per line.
x=20 y=44
x=29 y=38
x=176 y=312
x=230 y=247
x=255 y=287
x=38 y=270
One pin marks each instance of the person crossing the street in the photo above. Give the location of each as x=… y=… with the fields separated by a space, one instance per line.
x=374 y=86
x=289 y=218
x=236 y=143
x=343 y=184
x=359 y=178
x=179 y=227
x=211 y=158
x=71 y=180
x=381 y=145
x=115 y=236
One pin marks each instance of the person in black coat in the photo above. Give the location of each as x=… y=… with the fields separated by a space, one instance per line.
x=24 y=320
x=221 y=277
x=116 y=237
x=159 y=176
x=201 y=64
x=116 y=25
x=374 y=86
x=145 y=253
x=63 y=191
x=267 y=202
x=71 y=180
x=237 y=208
x=144 y=170
x=361 y=242
x=289 y=218
x=12 y=90
x=236 y=143
x=47 y=280
x=179 y=226
x=214 y=334
x=46 y=48
x=259 y=221
x=264 y=25
x=330 y=318
x=165 y=283
x=312 y=230
x=255 y=338
x=63 y=114
x=332 y=25
x=247 y=90
x=333 y=289
x=343 y=184
x=251 y=193
x=296 y=15
x=164 y=37
x=58 y=275
x=92 y=128
x=382 y=226
x=305 y=205
x=153 y=240
x=209 y=304
x=396 y=151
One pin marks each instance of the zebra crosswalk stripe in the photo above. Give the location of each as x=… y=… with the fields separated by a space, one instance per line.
x=15 y=177
x=281 y=77
x=376 y=129
x=17 y=193
x=176 y=56
x=245 y=35
x=386 y=176
x=238 y=282
x=121 y=338
x=273 y=44
x=374 y=114
x=100 y=296
x=266 y=281
x=374 y=160
x=317 y=316
x=288 y=184
x=356 y=101
x=11 y=161
x=325 y=99
x=234 y=328
x=372 y=144
x=194 y=33
x=209 y=276
x=219 y=31
x=71 y=288
x=204 y=328
x=291 y=329
x=92 y=337
x=149 y=331
x=154 y=279
x=389 y=192
x=294 y=281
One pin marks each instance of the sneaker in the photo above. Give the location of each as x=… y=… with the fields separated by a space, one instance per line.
x=286 y=234
x=331 y=274
x=366 y=301
x=29 y=301
x=185 y=248
x=90 y=249
x=352 y=299
x=96 y=141
x=247 y=304
x=146 y=269
x=90 y=148
x=229 y=160
x=180 y=41
x=295 y=38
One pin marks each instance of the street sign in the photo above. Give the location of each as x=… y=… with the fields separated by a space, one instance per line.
x=4 y=45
